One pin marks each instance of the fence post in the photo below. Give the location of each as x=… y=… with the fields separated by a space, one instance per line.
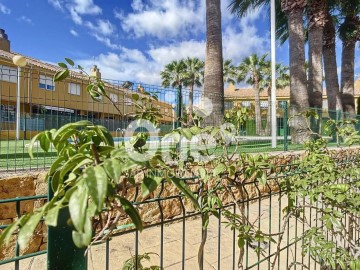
x=61 y=251
x=285 y=124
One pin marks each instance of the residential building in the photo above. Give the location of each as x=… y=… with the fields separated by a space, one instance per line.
x=244 y=97
x=45 y=104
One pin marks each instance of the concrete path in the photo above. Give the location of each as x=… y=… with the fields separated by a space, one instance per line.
x=122 y=248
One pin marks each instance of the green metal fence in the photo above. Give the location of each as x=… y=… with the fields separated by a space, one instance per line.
x=173 y=235
x=45 y=105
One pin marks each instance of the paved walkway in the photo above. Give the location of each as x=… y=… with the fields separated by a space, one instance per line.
x=122 y=247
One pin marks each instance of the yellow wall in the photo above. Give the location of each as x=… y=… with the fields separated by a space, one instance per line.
x=31 y=93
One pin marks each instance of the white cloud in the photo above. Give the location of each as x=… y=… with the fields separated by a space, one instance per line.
x=181 y=23
x=74 y=33
x=102 y=27
x=165 y=54
x=239 y=44
x=75 y=16
x=25 y=19
x=106 y=41
x=137 y=5
x=56 y=4
x=4 y=9
x=163 y=19
x=85 y=7
x=77 y=8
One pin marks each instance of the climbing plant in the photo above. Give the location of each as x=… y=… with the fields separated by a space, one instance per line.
x=92 y=173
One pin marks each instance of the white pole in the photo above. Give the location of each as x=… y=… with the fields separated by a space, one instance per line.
x=19 y=61
x=273 y=76
x=17 y=135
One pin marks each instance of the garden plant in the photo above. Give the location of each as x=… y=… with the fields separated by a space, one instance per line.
x=91 y=174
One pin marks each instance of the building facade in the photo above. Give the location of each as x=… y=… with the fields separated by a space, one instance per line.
x=45 y=104
x=244 y=97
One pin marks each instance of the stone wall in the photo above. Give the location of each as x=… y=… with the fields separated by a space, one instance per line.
x=34 y=183
x=25 y=185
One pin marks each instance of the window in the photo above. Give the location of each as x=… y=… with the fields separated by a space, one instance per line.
x=246 y=104
x=128 y=101
x=74 y=89
x=8 y=113
x=282 y=103
x=264 y=104
x=228 y=105
x=46 y=83
x=8 y=74
x=114 y=97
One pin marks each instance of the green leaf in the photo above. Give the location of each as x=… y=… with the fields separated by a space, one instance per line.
x=6 y=234
x=241 y=242
x=135 y=97
x=96 y=180
x=214 y=131
x=202 y=173
x=187 y=133
x=83 y=239
x=184 y=189
x=52 y=215
x=63 y=65
x=71 y=163
x=195 y=130
x=61 y=75
x=77 y=206
x=28 y=229
x=219 y=169
x=149 y=185
x=113 y=169
x=231 y=170
x=44 y=142
x=132 y=212
x=31 y=145
x=263 y=179
x=64 y=128
x=70 y=62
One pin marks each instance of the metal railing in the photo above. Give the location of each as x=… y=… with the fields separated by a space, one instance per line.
x=45 y=105
x=173 y=231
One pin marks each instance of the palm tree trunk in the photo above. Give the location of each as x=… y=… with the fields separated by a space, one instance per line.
x=330 y=68
x=315 y=83
x=258 y=125
x=317 y=20
x=191 y=102
x=347 y=77
x=299 y=100
x=213 y=76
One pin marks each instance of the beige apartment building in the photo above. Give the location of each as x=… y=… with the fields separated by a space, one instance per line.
x=47 y=104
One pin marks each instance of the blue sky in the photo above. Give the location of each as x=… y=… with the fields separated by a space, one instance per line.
x=128 y=39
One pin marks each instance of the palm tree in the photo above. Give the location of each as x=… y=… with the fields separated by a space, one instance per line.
x=316 y=13
x=251 y=71
x=193 y=76
x=294 y=10
x=330 y=65
x=349 y=33
x=229 y=72
x=213 y=76
x=282 y=81
x=174 y=75
x=299 y=99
